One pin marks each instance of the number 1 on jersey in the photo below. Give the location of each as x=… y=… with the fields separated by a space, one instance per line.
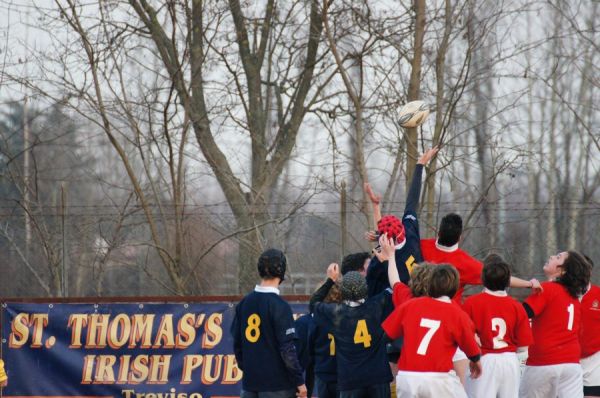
x=433 y=326
x=361 y=334
x=571 y=311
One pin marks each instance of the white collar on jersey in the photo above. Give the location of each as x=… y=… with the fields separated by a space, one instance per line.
x=443 y=299
x=400 y=245
x=354 y=303
x=266 y=289
x=447 y=249
x=497 y=293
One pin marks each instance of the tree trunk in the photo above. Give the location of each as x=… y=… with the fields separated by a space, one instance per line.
x=414 y=87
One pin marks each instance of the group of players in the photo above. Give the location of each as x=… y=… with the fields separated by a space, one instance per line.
x=405 y=305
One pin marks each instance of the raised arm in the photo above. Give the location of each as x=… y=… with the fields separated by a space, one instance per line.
x=412 y=199
x=333 y=273
x=375 y=200
x=388 y=253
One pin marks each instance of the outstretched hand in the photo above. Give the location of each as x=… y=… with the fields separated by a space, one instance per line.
x=371 y=236
x=536 y=286
x=375 y=199
x=428 y=155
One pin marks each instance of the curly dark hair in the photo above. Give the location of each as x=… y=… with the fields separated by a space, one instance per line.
x=576 y=275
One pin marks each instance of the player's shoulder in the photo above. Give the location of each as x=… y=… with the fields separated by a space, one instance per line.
x=594 y=291
x=428 y=243
x=552 y=288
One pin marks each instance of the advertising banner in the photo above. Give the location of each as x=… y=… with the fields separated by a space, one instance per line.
x=129 y=350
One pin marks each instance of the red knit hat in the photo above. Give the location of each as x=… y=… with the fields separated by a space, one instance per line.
x=391 y=226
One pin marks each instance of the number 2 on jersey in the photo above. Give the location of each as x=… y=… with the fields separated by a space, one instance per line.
x=361 y=334
x=252 y=330
x=500 y=325
x=433 y=326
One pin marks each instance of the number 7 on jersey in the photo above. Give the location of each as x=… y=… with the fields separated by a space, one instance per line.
x=433 y=327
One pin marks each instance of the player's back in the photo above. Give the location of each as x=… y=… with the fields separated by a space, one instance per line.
x=500 y=321
x=263 y=321
x=432 y=330
x=469 y=269
x=322 y=347
x=360 y=343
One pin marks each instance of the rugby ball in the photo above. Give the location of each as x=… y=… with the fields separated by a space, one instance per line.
x=413 y=114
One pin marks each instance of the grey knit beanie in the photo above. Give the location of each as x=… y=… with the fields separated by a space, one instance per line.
x=354 y=286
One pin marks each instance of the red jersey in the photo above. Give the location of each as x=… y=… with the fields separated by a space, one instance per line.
x=589 y=334
x=500 y=321
x=469 y=269
x=432 y=329
x=401 y=294
x=555 y=326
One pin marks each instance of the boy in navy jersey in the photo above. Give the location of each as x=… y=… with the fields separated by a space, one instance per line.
x=362 y=367
x=321 y=344
x=263 y=336
x=405 y=232
x=321 y=340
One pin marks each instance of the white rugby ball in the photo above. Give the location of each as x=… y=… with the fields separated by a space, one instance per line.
x=413 y=114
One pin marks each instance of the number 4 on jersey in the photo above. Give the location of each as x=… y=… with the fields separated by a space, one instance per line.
x=361 y=334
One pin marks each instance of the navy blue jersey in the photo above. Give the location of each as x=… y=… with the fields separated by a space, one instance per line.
x=360 y=342
x=407 y=255
x=321 y=344
x=302 y=326
x=263 y=341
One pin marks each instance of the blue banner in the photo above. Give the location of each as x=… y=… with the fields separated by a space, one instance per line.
x=177 y=350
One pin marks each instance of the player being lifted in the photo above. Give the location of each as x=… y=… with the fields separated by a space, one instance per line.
x=405 y=233
x=263 y=336
x=502 y=326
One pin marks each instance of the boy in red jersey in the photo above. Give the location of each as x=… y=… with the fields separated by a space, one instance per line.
x=589 y=338
x=432 y=327
x=553 y=368
x=502 y=326
x=445 y=249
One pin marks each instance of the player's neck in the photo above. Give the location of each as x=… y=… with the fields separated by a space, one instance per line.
x=270 y=282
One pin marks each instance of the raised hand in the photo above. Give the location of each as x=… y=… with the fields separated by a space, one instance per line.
x=375 y=199
x=333 y=271
x=428 y=155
